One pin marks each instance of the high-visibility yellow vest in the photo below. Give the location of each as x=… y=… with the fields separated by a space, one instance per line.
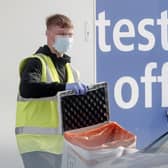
x=38 y=126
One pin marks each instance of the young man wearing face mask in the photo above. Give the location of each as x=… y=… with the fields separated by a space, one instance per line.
x=38 y=130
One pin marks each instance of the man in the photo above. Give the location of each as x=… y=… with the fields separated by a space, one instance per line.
x=38 y=130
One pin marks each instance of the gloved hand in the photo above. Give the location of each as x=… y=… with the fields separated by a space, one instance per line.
x=77 y=87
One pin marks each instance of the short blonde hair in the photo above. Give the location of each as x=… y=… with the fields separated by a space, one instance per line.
x=59 y=20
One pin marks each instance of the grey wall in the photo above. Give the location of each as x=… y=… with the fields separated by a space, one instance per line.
x=22 y=31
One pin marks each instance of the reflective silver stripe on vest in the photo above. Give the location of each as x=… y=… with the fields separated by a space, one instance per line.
x=37 y=130
x=48 y=75
x=20 y=98
x=75 y=74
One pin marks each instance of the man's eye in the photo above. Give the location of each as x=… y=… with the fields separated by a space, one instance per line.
x=65 y=34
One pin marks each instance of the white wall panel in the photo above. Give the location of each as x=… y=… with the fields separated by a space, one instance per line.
x=22 y=31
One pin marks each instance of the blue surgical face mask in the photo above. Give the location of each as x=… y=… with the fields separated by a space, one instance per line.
x=63 y=43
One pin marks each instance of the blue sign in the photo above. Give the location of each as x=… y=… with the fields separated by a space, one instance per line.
x=132 y=56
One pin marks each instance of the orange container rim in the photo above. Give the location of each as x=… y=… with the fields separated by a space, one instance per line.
x=107 y=135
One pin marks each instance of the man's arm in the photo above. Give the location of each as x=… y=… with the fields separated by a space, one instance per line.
x=31 y=85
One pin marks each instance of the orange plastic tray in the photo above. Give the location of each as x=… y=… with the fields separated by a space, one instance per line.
x=106 y=135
